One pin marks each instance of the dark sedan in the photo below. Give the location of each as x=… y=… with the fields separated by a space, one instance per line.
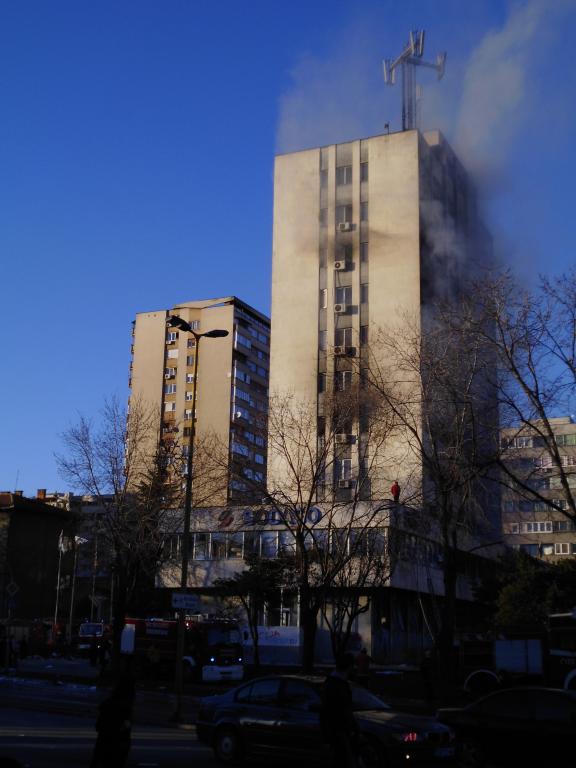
x=280 y=717
x=516 y=726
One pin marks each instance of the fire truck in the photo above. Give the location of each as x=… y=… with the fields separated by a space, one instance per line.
x=212 y=647
x=545 y=659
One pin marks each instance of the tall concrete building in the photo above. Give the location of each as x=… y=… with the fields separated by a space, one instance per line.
x=232 y=379
x=364 y=233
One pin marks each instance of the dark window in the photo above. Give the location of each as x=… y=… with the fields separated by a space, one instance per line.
x=343 y=214
x=262 y=692
x=364 y=293
x=343 y=175
x=364 y=252
x=363 y=211
x=323 y=179
x=363 y=171
x=296 y=694
x=323 y=217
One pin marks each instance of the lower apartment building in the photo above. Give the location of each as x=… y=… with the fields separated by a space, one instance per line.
x=403 y=599
x=536 y=511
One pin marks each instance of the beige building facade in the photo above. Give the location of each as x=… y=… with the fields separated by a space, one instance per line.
x=232 y=386
x=538 y=526
x=365 y=233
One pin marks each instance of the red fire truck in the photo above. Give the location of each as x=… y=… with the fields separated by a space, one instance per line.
x=212 y=647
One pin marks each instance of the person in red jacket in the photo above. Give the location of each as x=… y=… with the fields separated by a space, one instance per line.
x=395 y=491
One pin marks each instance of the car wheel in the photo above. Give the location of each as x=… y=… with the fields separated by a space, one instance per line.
x=470 y=755
x=370 y=754
x=227 y=746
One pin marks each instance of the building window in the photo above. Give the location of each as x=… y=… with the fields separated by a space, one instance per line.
x=343 y=380
x=343 y=337
x=363 y=211
x=344 y=469
x=321 y=382
x=258 y=458
x=531 y=549
x=343 y=214
x=189 y=378
x=363 y=334
x=269 y=544
x=514 y=528
x=323 y=255
x=322 y=340
x=194 y=324
x=323 y=179
x=241 y=450
x=188 y=414
x=259 y=440
x=169 y=389
x=243 y=340
x=323 y=298
x=561 y=548
x=189 y=395
x=201 y=544
x=169 y=373
x=190 y=360
x=241 y=413
x=239 y=394
x=363 y=171
x=547 y=549
x=343 y=175
x=364 y=252
x=171 y=336
x=323 y=217
x=343 y=295
x=169 y=407
x=172 y=354
x=562 y=440
x=364 y=293
x=218 y=548
x=191 y=342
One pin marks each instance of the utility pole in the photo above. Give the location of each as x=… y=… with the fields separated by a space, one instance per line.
x=409 y=59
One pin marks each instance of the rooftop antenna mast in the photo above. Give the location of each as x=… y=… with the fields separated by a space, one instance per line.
x=409 y=59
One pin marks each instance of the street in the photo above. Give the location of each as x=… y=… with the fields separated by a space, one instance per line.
x=41 y=740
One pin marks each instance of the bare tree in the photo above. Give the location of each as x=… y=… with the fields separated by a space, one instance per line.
x=532 y=335
x=314 y=492
x=432 y=376
x=136 y=479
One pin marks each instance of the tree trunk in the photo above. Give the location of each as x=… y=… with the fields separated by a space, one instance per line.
x=308 y=619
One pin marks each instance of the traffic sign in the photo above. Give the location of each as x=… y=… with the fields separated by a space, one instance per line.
x=186 y=602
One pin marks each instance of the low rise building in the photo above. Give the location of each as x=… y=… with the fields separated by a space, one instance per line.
x=536 y=514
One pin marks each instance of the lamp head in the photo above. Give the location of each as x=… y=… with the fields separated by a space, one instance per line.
x=217 y=333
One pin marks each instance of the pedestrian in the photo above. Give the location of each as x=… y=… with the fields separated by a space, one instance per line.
x=114 y=726
x=337 y=715
x=395 y=491
x=363 y=660
x=103 y=654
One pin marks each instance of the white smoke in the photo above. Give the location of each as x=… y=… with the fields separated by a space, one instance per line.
x=502 y=87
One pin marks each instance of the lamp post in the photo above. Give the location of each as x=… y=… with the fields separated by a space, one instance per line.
x=177 y=322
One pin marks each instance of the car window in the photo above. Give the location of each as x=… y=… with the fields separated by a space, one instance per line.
x=363 y=700
x=261 y=692
x=508 y=704
x=552 y=707
x=296 y=694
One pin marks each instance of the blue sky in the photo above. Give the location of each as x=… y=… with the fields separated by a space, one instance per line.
x=137 y=142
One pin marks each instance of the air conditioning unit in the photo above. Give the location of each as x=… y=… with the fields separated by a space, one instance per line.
x=339 y=351
x=168 y=375
x=342 y=437
x=340 y=309
x=339 y=265
x=345 y=226
x=345 y=483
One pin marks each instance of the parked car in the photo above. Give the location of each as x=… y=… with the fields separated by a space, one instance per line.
x=516 y=726
x=279 y=716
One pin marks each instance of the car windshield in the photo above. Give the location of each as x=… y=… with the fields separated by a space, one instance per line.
x=363 y=701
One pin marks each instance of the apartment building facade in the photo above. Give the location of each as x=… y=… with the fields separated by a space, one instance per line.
x=232 y=387
x=365 y=234
x=538 y=526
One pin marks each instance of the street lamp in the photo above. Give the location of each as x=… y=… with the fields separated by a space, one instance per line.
x=177 y=322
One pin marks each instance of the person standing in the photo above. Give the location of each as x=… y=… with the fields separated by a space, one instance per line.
x=337 y=715
x=395 y=491
x=114 y=726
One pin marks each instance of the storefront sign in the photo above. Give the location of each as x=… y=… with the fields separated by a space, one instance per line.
x=275 y=517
